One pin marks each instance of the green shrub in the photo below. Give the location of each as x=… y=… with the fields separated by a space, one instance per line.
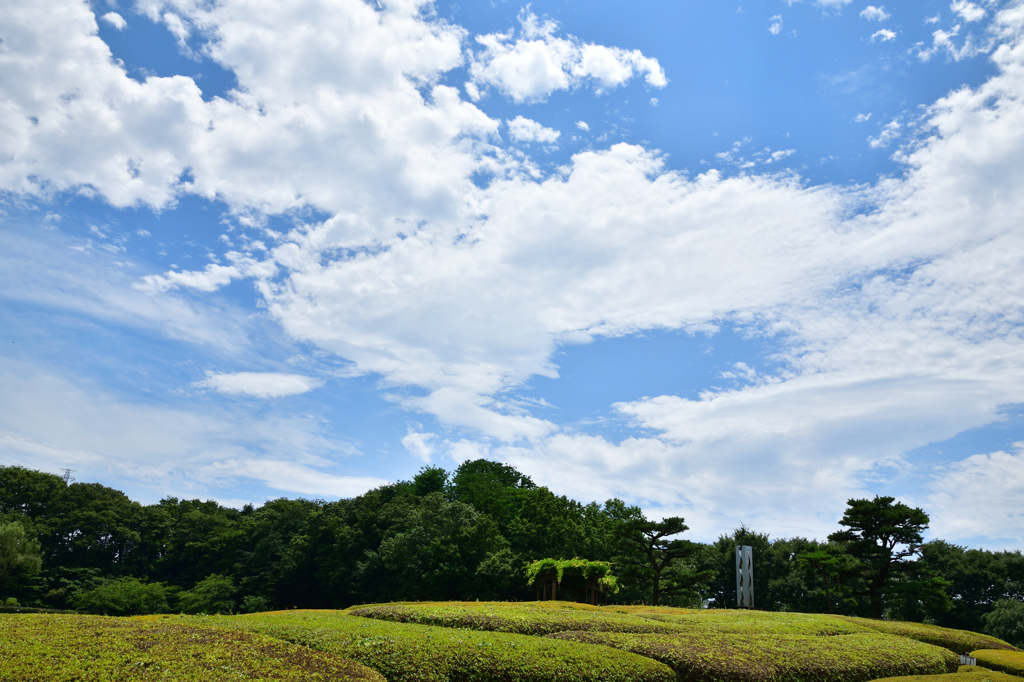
x=957 y=641
x=1006 y=621
x=252 y=603
x=780 y=658
x=976 y=675
x=122 y=597
x=736 y=621
x=1007 y=661
x=421 y=653
x=213 y=594
x=48 y=648
x=526 y=618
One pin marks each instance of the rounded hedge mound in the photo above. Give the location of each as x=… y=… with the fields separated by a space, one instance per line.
x=957 y=641
x=998 y=659
x=45 y=648
x=525 y=618
x=736 y=621
x=407 y=652
x=780 y=658
x=976 y=675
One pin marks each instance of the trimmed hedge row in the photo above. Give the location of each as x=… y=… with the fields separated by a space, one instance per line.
x=423 y=653
x=1008 y=661
x=59 y=648
x=735 y=621
x=957 y=641
x=780 y=658
x=976 y=675
x=525 y=618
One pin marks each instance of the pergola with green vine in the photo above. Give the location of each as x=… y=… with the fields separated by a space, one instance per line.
x=588 y=582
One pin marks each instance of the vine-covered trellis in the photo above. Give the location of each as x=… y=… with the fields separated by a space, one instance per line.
x=579 y=580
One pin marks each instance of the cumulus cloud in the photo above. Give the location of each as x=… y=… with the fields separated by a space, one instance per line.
x=896 y=307
x=883 y=35
x=863 y=118
x=420 y=445
x=115 y=20
x=967 y=10
x=583 y=125
x=775 y=25
x=534 y=64
x=259 y=384
x=982 y=495
x=872 y=13
x=522 y=129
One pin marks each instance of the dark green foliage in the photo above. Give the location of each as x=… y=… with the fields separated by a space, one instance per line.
x=20 y=555
x=650 y=557
x=978 y=579
x=92 y=526
x=27 y=492
x=780 y=658
x=430 y=480
x=421 y=653
x=122 y=597
x=213 y=594
x=1006 y=621
x=883 y=534
x=47 y=648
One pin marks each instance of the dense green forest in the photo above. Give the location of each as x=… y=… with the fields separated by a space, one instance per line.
x=467 y=535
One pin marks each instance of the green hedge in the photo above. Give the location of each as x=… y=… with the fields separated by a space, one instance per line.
x=526 y=618
x=1008 y=661
x=957 y=641
x=421 y=653
x=780 y=658
x=975 y=676
x=736 y=621
x=61 y=648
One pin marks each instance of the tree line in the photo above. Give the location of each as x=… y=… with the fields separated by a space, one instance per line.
x=466 y=535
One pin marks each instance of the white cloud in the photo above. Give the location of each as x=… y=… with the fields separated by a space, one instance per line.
x=582 y=125
x=890 y=132
x=292 y=477
x=259 y=384
x=537 y=63
x=872 y=13
x=981 y=496
x=420 y=445
x=157 y=450
x=896 y=306
x=522 y=129
x=115 y=20
x=883 y=35
x=967 y=10
x=776 y=25
x=863 y=118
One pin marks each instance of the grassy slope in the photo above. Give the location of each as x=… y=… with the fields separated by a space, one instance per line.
x=45 y=648
x=780 y=658
x=421 y=653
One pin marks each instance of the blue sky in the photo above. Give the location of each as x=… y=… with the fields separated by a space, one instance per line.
x=738 y=262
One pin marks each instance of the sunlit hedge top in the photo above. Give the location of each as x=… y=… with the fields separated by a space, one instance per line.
x=574 y=567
